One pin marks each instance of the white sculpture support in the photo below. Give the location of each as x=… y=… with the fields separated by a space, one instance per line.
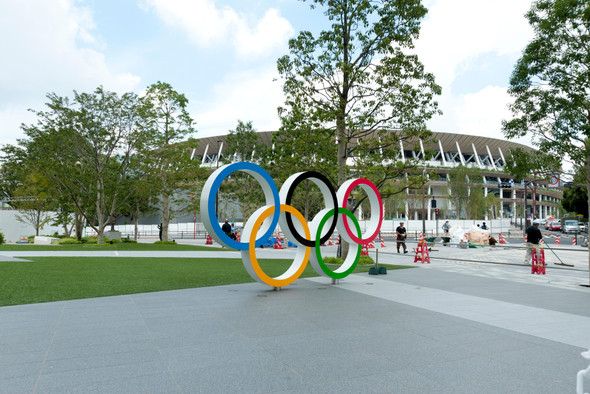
x=583 y=373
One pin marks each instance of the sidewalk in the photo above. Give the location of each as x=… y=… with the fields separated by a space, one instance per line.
x=444 y=327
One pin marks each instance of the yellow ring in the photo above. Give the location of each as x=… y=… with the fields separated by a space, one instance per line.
x=279 y=281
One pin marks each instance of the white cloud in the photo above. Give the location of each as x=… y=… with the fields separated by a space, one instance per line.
x=452 y=37
x=208 y=24
x=248 y=96
x=456 y=31
x=481 y=113
x=48 y=46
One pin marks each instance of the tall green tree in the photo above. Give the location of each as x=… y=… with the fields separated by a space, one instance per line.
x=356 y=91
x=33 y=201
x=493 y=205
x=458 y=188
x=550 y=83
x=84 y=145
x=575 y=199
x=167 y=153
x=243 y=145
x=476 y=204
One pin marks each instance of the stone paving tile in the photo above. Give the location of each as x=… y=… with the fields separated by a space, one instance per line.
x=158 y=383
x=93 y=376
x=18 y=384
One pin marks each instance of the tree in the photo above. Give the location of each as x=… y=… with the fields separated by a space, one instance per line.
x=84 y=146
x=12 y=171
x=356 y=91
x=575 y=199
x=242 y=189
x=476 y=206
x=167 y=153
x=551 y=83
x=33 y=202
x=458 y=187
x=493 y=205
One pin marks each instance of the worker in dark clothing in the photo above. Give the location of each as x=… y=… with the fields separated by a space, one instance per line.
x=533 y=236
x=400 y=232
x=226 y=228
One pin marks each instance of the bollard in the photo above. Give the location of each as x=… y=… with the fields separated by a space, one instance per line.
x=582 y=373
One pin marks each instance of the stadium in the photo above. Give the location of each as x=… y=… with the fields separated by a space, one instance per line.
x=485 y=156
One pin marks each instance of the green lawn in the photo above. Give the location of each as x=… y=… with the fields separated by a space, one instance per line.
x=118 y=246
x=43 y=279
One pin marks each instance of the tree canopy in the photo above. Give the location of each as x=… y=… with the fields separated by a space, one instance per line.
x=550 y=83
x=357 y=89
x=100 y=155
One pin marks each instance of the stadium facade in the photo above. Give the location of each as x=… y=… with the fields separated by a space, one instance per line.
x=486 y=156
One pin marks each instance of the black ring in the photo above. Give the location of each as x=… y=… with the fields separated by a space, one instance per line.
x=303 y=176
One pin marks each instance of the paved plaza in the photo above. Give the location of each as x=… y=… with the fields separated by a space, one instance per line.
x=452 y=326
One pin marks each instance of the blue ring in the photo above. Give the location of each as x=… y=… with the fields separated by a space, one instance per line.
x=248 y=167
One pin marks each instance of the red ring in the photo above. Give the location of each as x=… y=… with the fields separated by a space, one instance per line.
x=354 y=184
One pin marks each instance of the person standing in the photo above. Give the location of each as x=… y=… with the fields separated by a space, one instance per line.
x=226 y=228
x=533 y=235
x=400 y=232
x=446 y=227
x=483 y=226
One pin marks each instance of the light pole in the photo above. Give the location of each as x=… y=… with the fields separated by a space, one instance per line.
x=194 y=217
x=423 y=205
x=218 y=190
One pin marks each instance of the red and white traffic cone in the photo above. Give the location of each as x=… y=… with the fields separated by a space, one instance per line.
x=557 y=241
x=502 y=239
x=364 y=250
x=574 y=241
x=525 y=239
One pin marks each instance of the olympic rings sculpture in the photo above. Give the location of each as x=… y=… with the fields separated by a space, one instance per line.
x=305 y=235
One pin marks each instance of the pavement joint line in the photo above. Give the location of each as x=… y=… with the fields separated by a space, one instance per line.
x=46 y=355
x=164 y=360
x=478 y=309
x=495 y=262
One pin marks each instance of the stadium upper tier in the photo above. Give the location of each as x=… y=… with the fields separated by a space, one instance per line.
x=450 y=150
x=444 y=152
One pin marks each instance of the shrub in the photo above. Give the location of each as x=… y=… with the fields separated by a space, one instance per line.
x=366 y=260
x=31 y=239
x=60 y=236
x=333 y=260
x=1 y=238
x=69 y=241
x=128 y=241
x=165 y=242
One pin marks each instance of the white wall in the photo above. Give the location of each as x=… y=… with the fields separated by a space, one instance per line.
x=13 y=229
x=495 y=226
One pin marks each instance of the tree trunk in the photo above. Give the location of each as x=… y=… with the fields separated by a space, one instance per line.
x=37 y=222
x=136 y=221
x=100 y=213
x=165 y=216
x=79 y=224
x=344 y=246
x=588 y=190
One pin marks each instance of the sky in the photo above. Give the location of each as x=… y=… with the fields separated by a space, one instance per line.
x=222 y=55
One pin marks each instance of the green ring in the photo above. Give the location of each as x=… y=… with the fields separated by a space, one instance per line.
x=327 y=271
